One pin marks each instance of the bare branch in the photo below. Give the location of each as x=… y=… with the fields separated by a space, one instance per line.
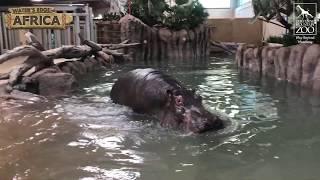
x=33 y=41
x=18 y=51
x=119 y=46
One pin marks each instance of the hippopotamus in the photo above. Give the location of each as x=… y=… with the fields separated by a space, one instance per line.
x=152 y=92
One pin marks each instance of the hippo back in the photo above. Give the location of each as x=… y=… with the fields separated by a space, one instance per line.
x=144 y=90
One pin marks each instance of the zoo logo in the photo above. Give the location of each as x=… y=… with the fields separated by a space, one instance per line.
x=305 y=18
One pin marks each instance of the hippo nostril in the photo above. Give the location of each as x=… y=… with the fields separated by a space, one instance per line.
x=215 y=124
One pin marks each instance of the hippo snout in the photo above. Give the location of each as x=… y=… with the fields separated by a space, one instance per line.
x=214 y=124
x=203 y=123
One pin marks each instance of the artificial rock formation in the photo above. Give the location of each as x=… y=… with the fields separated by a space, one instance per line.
x=159 y=43
x=299 y=64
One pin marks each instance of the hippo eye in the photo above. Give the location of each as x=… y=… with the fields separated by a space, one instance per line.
x=198 y=97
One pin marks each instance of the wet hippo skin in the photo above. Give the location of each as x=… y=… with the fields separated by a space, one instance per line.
x=152 y=92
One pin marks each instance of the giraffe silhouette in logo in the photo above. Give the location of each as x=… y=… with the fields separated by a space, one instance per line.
x=304 y=13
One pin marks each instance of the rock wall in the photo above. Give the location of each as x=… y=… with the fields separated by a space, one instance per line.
x=64 y=77
x=163 y=43
x=299 y=64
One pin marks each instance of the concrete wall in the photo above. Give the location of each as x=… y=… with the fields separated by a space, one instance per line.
x=232 y=25
x=236 y=30
x=220 y=13
x=272 y=30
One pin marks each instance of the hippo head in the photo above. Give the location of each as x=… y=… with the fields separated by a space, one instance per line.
x=189 y=113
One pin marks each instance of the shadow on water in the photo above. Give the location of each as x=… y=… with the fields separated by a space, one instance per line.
x=272 y=134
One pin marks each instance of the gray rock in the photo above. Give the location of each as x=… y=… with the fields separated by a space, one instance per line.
x=26 y=96
x=56 y=84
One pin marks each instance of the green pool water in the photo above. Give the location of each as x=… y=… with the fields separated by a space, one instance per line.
x=274 y=133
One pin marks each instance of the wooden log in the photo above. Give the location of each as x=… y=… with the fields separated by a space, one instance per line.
x=18 y=51
x=95 y=47
x=104 y=56
x=125 y=41
x=36 y=58
x=119 y=46
x=68 y=52
x=4 y=76
x=44 y=59
x=16 y=73
x=221 y=46
x=112 y=52
x=33 y=41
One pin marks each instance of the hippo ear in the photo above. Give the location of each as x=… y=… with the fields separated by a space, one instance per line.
x=169 y=92
x=169 y=98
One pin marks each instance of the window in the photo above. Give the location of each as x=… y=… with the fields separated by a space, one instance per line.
x=242 y=2
x=215 y=3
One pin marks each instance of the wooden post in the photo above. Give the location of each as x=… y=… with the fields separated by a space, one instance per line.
x=1 y=36
x=92 y=26
x=68 y=35
x=38 y=34
x=10 y=39
x=5 y=34
x=76 y=29
x=44 y=38
x=49 y=38
x=14 y=38
x=87 y=23
x=63 y=37
x=57 y=38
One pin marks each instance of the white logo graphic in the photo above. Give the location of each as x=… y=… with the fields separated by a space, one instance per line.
x=304 y=14
x=305 y=21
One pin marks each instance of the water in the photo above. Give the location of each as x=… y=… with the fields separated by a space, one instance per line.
x=274 y=133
